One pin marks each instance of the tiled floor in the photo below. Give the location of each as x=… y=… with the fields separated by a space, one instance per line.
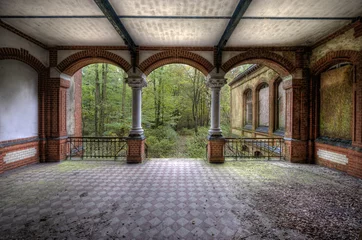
x=179 y=199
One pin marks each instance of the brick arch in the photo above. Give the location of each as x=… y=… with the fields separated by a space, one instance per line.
x=333 y=58
x=76 y=61
x=276 y=62
x=23 y=56
x=176 y=56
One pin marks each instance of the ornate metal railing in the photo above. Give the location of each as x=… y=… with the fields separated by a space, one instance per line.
x=254 y=148
x=97 y=148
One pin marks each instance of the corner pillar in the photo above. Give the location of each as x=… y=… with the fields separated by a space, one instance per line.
x=215 y=147
x=296 y=132
x=56 y=105
x=136 y=141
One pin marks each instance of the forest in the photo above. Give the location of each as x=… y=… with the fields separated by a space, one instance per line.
x=175 y=107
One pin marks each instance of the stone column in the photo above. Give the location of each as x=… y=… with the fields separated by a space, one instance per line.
x=136 y=140
x=216 y=141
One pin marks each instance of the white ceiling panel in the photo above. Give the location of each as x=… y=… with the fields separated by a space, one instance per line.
x=281 y=32
x=172 y=32
x=48 y=7
x=175 y=7
x=69 y=31
x=304 y=8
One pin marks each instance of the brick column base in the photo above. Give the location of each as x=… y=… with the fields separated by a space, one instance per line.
x=56 y=150
x=136 y=150
x=296 y=151
x=1 y=161
x=215 y=150
x=355 y=163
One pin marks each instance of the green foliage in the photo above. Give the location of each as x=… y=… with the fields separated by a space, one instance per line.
x=161 y=141
x=196 y=145
x=175 y=108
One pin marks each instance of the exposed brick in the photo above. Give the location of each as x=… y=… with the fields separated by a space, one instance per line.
x=23 y=56
x=74 y=62
x=215 y=150
x=260 y=56
x=176 y=56
x=135 y=150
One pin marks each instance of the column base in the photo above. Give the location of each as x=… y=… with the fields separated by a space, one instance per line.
x=295 y=150
x=136 y=151
x=56 y=149
x=215 y=149
x=354 y=166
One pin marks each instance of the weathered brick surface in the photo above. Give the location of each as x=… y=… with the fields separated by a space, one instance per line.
x=176 y=56
x=259 y=56
x=19 y=152
x=23 y=56
x=215 y=150
x=73 y=63
x=136 y=150
x=296 y=151
x=332 y=157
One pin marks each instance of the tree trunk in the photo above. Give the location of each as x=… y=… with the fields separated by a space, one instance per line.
x=97 y=100
x=104 y=97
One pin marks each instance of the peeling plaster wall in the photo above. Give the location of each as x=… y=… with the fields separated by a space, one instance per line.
x=11 y=40
x=18 y=100
x=345 y=41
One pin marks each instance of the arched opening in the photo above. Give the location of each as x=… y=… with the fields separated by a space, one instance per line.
x=99 y=91
x=176 y=109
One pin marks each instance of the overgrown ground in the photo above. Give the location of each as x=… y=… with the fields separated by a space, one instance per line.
x=179 y=199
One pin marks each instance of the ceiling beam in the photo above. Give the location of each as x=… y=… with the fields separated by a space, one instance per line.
x=235 y=19
x=178 y=17
x=113 y=18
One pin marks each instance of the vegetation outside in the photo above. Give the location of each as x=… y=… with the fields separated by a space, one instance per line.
x=175 y=107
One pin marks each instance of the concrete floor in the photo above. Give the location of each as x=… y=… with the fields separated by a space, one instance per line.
x=179 y=199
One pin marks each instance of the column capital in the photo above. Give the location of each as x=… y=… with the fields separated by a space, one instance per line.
x=136 y=79
x=216 y=79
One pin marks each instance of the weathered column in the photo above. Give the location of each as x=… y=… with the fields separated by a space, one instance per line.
x=136 y=140
x=216 y=142
x=296 y=127
x=55 y=118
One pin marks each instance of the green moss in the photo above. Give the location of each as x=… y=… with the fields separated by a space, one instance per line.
x=67 y=166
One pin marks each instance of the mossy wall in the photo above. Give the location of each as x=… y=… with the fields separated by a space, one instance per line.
x=336 y=103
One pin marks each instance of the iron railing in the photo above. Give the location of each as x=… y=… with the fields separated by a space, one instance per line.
x=98 y=148
x=254 y=148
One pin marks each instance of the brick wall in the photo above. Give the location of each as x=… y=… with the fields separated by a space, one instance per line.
x=78 y=103
x=331 y=156
x=19 y=152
